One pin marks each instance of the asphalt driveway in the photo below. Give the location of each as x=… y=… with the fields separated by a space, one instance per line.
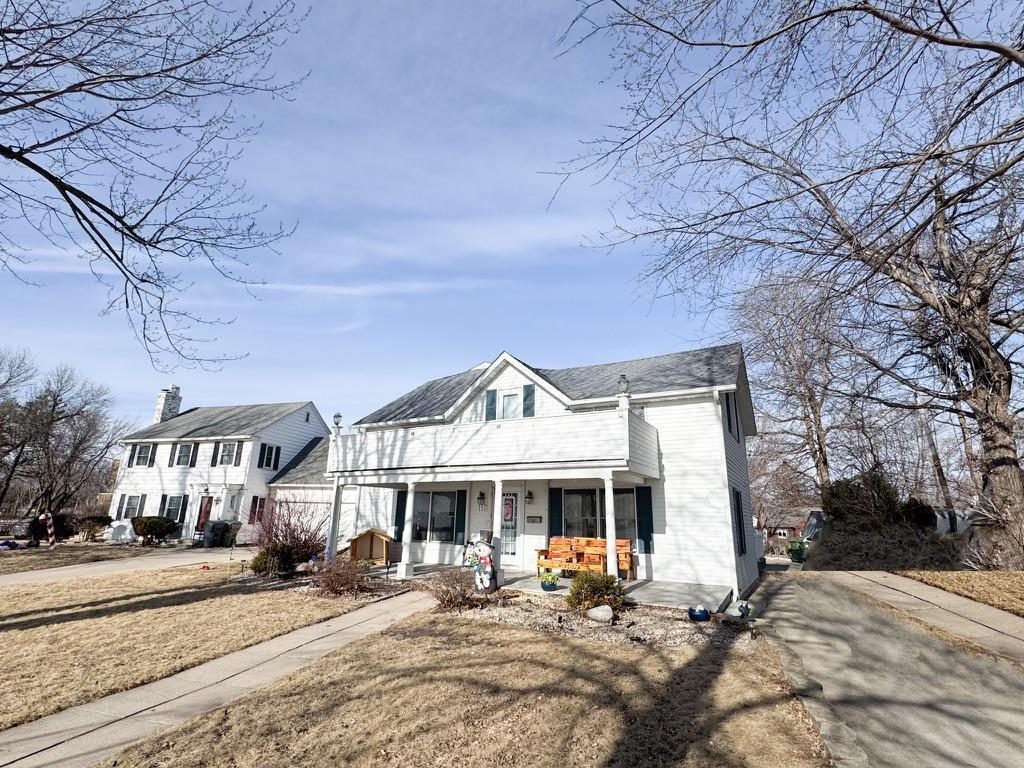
x=895 y=695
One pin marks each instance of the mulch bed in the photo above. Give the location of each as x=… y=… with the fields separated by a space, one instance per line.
x=638 y=625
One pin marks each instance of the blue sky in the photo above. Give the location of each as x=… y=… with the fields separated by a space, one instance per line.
x=415 y=160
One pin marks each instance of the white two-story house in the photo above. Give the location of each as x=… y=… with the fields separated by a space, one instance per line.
x=208 y=463
x=650 y=450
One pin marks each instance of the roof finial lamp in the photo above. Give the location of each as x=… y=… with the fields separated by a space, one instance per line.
x=623 y=392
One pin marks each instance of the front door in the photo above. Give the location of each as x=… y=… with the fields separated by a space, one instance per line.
x=511 y=540
x=205 y=505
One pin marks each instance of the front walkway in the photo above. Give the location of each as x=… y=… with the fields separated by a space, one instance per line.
x=883 y=691
x=84 y=735
x=997 y=631
x=160 y=558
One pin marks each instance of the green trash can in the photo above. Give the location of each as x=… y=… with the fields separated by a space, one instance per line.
x=798 y=550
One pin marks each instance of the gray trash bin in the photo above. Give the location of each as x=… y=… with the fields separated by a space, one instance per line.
x=214 y=533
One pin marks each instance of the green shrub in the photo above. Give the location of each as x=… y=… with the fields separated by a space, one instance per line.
x=64 y=526
x=276 y=557
x=868 y=497
x=592 y=589
x=150 y=528
x=915 y=512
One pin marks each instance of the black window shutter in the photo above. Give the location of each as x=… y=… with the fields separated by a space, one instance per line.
x=528 y=397
x=645 y=517
x=460 y=517
x=163 y=504
x=491 y=405
x=400 y=500
x=216 y=452
x=263 y=455
x=183 y=510
x=554 y=512
x=728 y=411
x=737 y=517
x=238 y=453
x=195 y=455
x=152 y=454
x=252 y=509
x=120 y=507
x=142 y=505
x=131 y=456
x=174 y=452
x=277 y=456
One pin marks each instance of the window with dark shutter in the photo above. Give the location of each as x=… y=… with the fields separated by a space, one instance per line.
x=174 y=452
x=195 y=455
x=152 y=454
x=277 y=456
x=120 y=507
x=252 y=509
x=263 y=455
x=238 y=453
x=216 y=454
x=528 y=398
x=163 y=505
x=131 y=456
x=142 y=506
x=490 y=405
x=184 y=509
x=737 y=519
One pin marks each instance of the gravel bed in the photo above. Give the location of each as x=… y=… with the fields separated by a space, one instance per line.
x=638 y=625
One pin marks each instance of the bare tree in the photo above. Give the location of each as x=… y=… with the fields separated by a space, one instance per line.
x=118 y=126
x=872 y=150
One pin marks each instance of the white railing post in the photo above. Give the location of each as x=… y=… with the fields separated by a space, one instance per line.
x=609 y=527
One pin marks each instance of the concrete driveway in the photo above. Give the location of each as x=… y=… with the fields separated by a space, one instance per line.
x=160 y=558
x=892 y=694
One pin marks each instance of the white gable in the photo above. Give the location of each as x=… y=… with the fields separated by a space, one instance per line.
x=507 y=378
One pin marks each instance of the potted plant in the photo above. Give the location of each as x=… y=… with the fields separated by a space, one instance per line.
x=548 y=581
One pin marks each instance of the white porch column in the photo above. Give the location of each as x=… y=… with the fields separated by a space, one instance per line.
x=612 y=563
x=406 y=568
x=332 y=531
x=496 y=533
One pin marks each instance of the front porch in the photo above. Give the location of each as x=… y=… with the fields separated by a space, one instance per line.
x=664 y=594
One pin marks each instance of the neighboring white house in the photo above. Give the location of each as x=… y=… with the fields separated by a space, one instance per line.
x=652 y=450
x=208 y=463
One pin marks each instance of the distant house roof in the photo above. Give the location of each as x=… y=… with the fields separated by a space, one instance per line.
x=307 y=467
x=692 y=369
x=217 y=421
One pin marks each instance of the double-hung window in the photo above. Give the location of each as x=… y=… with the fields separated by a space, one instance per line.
x=270 y=456
x=142 y=454
x=227 y=454
x=132 y=506
x=172 y=510
x=510 y=404
x=184 y=454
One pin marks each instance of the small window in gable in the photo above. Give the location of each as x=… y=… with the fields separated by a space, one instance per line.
x=510 y=406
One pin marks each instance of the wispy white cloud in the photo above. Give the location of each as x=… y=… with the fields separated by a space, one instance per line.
x=354 y=325
x=383 y=288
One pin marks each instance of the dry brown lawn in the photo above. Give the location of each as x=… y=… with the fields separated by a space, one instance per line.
x=70 y=642
x=65 y=554
x=441 y=691
x=1002 y=589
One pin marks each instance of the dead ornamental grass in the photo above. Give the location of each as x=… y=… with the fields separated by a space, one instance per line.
x=70 y=642
x=1001 y=589
x=442 y=691
x=42 y=557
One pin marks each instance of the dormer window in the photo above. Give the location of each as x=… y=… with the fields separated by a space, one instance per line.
x=514 y=403
x=510 y=406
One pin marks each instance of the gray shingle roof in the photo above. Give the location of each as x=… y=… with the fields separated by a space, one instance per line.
x=307 y=467
x=692 y=369
x=217 y=421
x=427 y=400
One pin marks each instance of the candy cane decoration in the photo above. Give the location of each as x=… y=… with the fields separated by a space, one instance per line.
x=51 y=537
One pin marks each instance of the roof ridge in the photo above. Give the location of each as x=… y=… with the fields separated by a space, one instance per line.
x=641 y=359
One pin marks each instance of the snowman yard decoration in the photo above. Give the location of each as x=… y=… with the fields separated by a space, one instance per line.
x=480 y=560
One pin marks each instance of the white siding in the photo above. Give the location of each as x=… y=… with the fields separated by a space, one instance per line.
x=510 y=381
x=594 y=436
x=739 y=479
x=239 y=483
x=692 y=541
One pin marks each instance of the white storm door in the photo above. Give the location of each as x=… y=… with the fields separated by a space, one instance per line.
x=511 y=537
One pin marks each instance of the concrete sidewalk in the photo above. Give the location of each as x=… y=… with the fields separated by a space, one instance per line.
x=158 y=559
x=997 y=631
x=84 y=735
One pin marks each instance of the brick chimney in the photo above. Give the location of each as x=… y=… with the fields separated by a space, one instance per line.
x=168 y=403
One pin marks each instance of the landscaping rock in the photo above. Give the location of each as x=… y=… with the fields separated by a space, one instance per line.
x=305 y=568
x=602 y=614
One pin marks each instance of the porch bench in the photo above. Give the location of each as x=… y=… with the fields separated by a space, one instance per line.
x=583 y=554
